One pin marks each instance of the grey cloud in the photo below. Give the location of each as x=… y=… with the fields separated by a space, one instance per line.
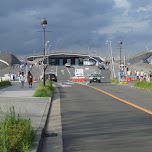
x=73 y=24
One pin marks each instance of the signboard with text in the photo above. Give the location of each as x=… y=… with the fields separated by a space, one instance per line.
x=78 y=72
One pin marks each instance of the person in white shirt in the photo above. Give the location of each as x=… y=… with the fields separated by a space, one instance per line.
x=141 y=75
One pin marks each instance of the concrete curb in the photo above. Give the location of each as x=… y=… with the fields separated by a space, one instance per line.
x=52 y=141
x=38 y=141
x=142 y=88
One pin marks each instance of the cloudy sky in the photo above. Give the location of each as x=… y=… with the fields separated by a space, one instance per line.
x=75 y=25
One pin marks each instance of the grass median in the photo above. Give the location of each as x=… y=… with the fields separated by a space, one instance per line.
x=5 y=83
x=44 y=91
x=144 y=85
x=16 y=134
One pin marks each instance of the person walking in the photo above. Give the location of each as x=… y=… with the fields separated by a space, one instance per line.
x=138 y=75
x=30 y=79
x=22 y=79
x=141 y=75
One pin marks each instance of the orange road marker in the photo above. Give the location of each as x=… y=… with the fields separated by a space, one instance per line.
x=127 y=102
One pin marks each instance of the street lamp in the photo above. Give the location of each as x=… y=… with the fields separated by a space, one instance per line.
x=120 y=43
x=111 y=58
x=43 y=23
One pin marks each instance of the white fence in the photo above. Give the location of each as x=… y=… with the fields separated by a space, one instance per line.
x=4 y=79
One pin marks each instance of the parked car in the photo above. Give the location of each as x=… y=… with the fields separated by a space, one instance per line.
x=95 y=78
x=51 y=76
x=68 y=65
x=101 y=66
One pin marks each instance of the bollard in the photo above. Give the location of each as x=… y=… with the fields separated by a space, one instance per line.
x=75 y=79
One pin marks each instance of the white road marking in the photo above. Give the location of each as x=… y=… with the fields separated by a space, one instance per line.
x=62 y=71
x=69 y=83
x=69 y=72
x=87 y=83
x=64 y=85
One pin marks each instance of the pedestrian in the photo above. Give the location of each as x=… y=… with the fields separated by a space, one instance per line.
x=141 y=75
x=22 y=79
x=13 y=77
x=138 y=75
x=30 y=79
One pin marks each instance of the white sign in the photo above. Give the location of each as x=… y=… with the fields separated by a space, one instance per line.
x=79 y=72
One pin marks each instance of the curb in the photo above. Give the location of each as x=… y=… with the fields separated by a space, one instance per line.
x=142 y=88
x=54 y=126
x=38 y=141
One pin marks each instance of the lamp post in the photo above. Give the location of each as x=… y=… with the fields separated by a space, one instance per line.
x=120 y=43
x=43 y=23
x=110 y=54
x=111 y=59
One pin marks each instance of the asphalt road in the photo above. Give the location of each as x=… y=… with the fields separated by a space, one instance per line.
x=93 y=121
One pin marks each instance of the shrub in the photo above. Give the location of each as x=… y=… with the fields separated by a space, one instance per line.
x=114 y=81
x=44 y=91
x=16 y=134
x=5 y=83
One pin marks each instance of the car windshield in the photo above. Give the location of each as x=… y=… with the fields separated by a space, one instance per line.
x=95 y=75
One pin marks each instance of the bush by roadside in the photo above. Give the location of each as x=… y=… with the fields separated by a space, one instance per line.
x=44 y=91
x=16 y=134
x=143 y=84
x=114 y=81
x=5 y=83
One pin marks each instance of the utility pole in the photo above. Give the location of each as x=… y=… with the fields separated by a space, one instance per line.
x=120 y=43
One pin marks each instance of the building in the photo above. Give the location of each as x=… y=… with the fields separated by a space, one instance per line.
x=60 y=58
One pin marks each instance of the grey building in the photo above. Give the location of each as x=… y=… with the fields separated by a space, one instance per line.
x=60 y=58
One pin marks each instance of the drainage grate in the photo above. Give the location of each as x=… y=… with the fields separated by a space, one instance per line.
x=50 y=135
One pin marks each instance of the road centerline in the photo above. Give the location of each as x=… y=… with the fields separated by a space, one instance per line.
x=127 y=102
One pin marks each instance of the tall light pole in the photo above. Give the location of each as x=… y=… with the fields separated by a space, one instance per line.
x=111 y=59
x=43 y=23
x=110 y=53
x=120 y=43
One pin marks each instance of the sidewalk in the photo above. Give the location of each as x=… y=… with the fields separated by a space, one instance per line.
x=27 y=106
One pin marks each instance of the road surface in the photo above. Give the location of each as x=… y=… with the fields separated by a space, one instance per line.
x=102 y=117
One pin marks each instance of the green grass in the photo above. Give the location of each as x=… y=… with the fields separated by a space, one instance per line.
x=44 y=91
x=16 y=134
x=5 y=83
x=114 y=81
x=143 y=84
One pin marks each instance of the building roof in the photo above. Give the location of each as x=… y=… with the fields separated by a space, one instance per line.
x=7 y=59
